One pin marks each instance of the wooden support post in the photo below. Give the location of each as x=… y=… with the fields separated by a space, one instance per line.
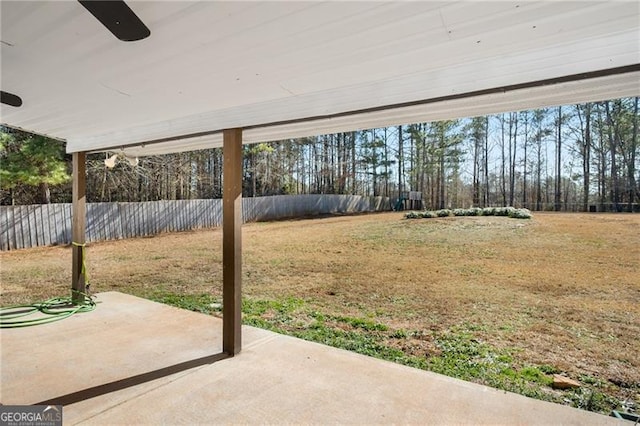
x=232 y=242
x=78 y=220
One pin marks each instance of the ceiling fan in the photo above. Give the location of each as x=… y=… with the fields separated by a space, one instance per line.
x=10 y=99
x=116 y=16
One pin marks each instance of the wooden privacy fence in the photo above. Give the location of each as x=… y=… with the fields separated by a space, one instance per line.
x=50 y=224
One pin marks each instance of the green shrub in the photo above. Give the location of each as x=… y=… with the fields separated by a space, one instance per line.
x=488 y=211
x=474 y=211
x=504 y=211
x=520 y=214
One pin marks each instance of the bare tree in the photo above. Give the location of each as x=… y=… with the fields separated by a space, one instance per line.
x=584 y=145
x=558 y=187
x=513 y=149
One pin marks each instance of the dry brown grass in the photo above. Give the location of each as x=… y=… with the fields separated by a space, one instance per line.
x=562 y=289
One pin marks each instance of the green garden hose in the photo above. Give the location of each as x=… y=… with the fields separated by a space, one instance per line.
x=54 y=309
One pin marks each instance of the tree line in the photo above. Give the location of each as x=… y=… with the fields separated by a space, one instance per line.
x=572 y=157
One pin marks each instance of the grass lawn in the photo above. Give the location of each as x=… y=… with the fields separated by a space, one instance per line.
x=499 y=301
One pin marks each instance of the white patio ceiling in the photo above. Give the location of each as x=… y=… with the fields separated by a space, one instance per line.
x=293 y=69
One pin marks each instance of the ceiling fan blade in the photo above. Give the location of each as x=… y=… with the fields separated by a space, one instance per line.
x=10 y=99
x=118 y=18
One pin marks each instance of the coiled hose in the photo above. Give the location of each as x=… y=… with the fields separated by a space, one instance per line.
x=54 y=309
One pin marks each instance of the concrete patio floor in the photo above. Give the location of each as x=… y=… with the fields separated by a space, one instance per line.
x=132 y=361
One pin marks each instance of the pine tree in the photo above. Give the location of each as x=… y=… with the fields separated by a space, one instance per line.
x=31 y=160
